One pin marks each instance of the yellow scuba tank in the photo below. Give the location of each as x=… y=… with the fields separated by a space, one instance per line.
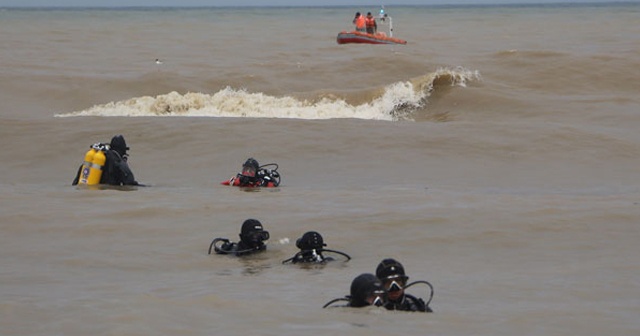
x=94 y=160
x=95 y=170
x=86 y=165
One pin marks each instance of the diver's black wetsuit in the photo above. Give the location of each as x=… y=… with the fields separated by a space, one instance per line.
x=240 y=248
x=116 y=171
x=310 y=256
x=408 y=302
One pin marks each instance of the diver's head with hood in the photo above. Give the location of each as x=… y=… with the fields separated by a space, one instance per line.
x=367 y=290
x=249 y=172
x=252 y=233
x=119 y=145
x=391 y=274
x=311 y=240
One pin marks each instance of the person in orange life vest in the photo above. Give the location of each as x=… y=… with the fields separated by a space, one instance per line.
x=253 y=175
x=370 y=23
x=360 y=23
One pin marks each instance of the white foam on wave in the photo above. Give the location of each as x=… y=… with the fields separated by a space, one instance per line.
x=397 y=101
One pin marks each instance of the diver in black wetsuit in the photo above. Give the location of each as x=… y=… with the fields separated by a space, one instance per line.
x=116 y=170
x=366 y=290
x=391 y=274
x=252 y=237
x=311 y=247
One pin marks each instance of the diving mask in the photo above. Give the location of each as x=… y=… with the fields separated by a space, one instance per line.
x=395 y=283
x=377 y=298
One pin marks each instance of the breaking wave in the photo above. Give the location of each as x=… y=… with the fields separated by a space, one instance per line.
x=397 y=101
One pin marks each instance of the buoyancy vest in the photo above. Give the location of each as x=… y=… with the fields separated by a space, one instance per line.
x=370 y=22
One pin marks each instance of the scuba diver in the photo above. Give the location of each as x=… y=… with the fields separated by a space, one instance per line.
x=311 y=247
x=366 y=290
x=106 y=164
x=391 y=274
x=252 y=237
x=254 y=175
